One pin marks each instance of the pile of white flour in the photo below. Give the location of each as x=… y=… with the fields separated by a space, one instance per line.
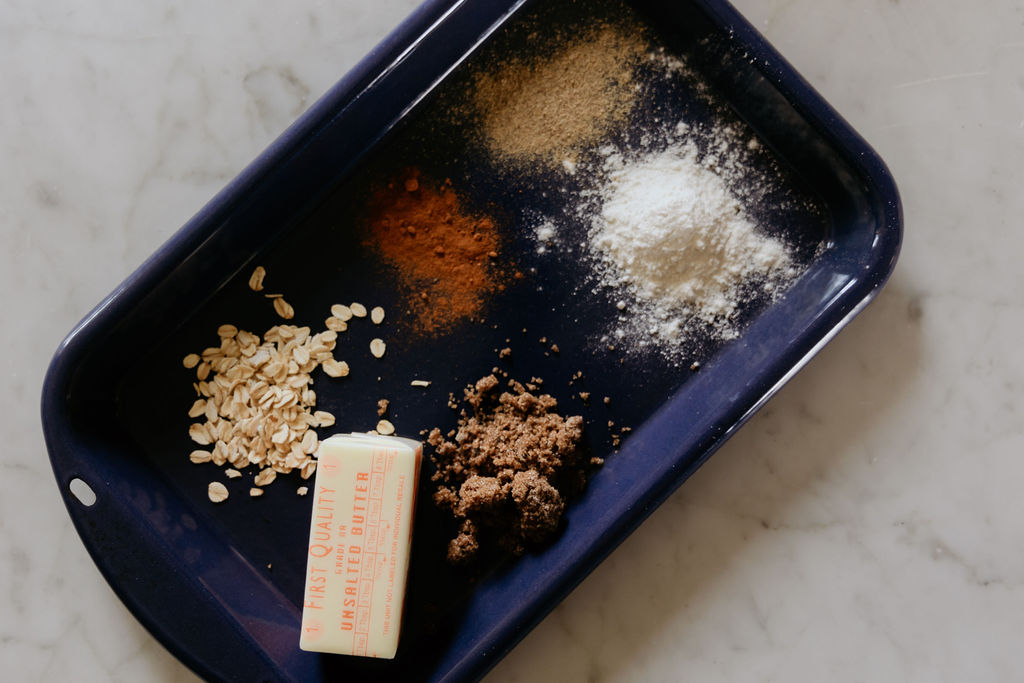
x=670 y=231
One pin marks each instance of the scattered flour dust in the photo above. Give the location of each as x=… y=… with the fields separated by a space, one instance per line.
x=670 y=230
x=545 y=234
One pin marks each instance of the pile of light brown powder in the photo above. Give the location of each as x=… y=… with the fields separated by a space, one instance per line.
x=504 y=470
x=546 y=107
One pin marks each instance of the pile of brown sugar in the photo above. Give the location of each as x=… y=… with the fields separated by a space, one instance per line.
x=444 y=256
x=546 y=107
x=504 y=470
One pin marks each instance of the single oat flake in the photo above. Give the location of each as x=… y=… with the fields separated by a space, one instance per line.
x=377 y=348
x=283 y=308
x=336 y=324
x=333 y=368
x=199 y=433
x=358 y=310
x=256 y=279
x=200 y=456
x=198 y=408
x=324 y=418
x=265 y=477
x=341 y=312
x=203 y=371
x=377 y=315
x=386 y=428
x=217 y=492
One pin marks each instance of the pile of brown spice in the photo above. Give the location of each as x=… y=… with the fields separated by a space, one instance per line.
x=506 y=469
x=444 y=256
x=547 y=106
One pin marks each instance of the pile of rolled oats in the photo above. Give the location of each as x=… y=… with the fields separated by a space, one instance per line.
x=255 y=405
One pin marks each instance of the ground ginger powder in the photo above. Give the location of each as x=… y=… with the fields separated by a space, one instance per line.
x=548 y=106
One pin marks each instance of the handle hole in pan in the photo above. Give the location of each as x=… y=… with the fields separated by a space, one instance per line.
x=83 y=492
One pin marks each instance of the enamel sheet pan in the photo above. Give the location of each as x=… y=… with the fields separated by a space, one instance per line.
x=221 y=586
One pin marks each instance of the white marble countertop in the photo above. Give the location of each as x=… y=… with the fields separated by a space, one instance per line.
x=866 y=525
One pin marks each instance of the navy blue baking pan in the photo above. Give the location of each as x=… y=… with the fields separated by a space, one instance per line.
x=221 y=586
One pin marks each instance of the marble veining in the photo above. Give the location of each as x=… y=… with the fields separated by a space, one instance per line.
x=864 y=526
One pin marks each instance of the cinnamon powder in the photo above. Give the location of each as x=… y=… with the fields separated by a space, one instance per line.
x=444 y=256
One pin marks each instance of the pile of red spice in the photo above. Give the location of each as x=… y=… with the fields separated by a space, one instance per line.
x=444 y=256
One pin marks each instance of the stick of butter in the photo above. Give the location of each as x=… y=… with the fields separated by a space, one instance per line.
x=359 y=540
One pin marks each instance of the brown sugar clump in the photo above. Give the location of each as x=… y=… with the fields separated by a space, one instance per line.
x=538 y=503
x=506 y=468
